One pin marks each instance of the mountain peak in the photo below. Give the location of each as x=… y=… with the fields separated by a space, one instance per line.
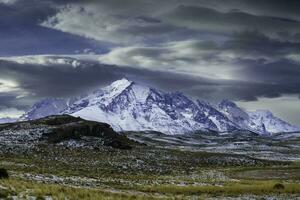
x=227 y=103
x=117 y=87
x=263 y=112
x=121 y=83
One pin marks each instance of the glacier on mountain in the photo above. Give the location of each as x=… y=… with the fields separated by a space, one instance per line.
x=129 y=106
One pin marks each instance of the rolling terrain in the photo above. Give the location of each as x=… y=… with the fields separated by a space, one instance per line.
x=61 y=157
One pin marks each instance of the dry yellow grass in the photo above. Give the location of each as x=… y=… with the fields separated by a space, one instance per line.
x=41 y=190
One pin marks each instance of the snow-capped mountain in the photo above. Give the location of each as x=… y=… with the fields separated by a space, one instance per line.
x=241 y=117
x=45 y=108
x=271 y=123
x=261 y=121
x=128 y=106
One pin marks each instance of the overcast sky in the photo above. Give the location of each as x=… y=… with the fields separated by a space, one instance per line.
x=244 y=50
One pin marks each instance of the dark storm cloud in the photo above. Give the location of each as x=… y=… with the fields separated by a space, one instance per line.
x=281 y=72
x=65 y=81
x=21 y=34
x=6 y=99
x=256 y=43
x=125 y=22
x=135 y=21
x=56 y=80
x=284 y=8
x=207 y=19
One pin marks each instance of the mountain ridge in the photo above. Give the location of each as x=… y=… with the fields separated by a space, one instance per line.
x=129 y=106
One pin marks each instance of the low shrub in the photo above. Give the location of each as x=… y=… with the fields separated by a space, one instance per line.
x=3 y=194
x=278 y=186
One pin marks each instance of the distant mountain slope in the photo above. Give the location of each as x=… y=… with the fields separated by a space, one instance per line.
x=241 y=117
x=260 y=121
x=45 y=108
x=129 y=106
x=271 y=123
